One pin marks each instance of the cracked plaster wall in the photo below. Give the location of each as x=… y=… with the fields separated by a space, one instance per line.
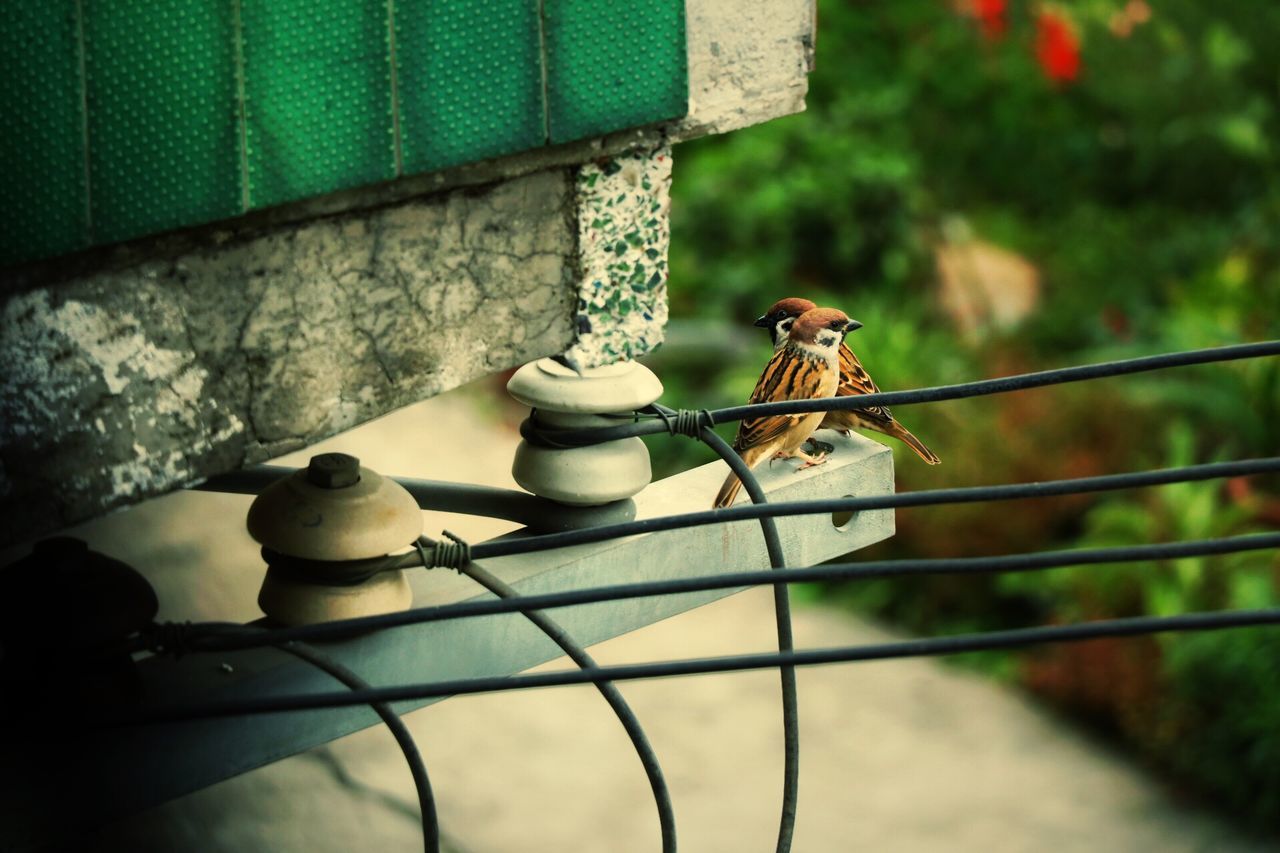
x=133 y=381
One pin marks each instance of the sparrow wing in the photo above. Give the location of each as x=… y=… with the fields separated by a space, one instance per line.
x=855 y=381
x=785 y=377
x=755 y=432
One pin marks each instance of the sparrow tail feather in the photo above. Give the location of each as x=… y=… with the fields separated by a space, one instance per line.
x=728 y=491
x=900 y=432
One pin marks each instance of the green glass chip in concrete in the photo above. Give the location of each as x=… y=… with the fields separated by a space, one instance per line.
x=469 y=78
x=317 y=79
x=42 y=144
x=614 y=64
x=161 y=94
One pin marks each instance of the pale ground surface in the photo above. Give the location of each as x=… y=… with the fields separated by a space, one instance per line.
x=897 y=756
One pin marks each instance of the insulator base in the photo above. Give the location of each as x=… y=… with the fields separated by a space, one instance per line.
x=292 y=602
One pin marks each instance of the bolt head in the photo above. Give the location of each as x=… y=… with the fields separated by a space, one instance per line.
x=333 y=470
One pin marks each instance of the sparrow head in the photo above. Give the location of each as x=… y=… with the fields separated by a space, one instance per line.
x=781 y=315
x=822 y=327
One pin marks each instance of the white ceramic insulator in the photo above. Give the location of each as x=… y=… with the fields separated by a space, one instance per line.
x=583 y=476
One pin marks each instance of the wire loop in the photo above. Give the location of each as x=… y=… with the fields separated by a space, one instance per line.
x=539 y=435
x=686 y=422
x=444 y=555
x=170 y=638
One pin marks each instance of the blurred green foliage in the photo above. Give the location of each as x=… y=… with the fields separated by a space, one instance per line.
x=1145 y=196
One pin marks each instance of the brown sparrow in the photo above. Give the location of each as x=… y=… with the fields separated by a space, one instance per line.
x=854 y=381
x=805 y=367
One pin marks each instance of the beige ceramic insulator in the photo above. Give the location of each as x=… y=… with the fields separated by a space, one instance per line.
x=294 y=603
x=329 y=512
x=620 y=387
x=583 y=476
x=335 y=510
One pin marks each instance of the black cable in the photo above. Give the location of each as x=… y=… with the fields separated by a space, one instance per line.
x=786 y=658
x=1020 y=382
x=537 y=513
x=930 y=497
x=426 y=800
x=328 y=631
x=786 y=642
x=923 y=647
x=652 y=426
x=205 y=637
x=609 y=690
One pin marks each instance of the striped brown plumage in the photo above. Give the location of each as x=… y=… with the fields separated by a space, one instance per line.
x=854 y=381
x=805 y=367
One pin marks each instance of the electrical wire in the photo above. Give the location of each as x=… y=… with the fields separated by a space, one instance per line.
x=404 y=739
x=221 y=638
x=221 y=641
x=786 y=658
x=1019 y=382
x=922 y=647
x=786 y=641
x=1000 y=385
x=517 y=544
x=929 y=497
x=610 y=692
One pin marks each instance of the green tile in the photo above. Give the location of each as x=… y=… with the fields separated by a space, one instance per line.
x=163 y=137
x=42 y=144
x=614 y=64
x=317 y=97
x=469 y=80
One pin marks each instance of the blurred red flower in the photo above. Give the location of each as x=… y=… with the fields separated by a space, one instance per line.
x=1057 y=46
x=991 y=17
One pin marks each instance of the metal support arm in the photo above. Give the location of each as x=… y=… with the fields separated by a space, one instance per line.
x=116 y=772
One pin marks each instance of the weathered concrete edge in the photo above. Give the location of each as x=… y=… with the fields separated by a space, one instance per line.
x=128 y=383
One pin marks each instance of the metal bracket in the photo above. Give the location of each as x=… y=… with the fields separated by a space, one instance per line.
x=113 y=773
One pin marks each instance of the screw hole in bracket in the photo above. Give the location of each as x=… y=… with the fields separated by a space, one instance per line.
x=842 y=519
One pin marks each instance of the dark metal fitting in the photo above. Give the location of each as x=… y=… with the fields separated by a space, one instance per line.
x=333 y=470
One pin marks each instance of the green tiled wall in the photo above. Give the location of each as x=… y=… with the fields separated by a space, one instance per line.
x=317 y=82
x=613 y=64
x=129 y=117
x=44 y=209
x=160 y=89
x=470 y=81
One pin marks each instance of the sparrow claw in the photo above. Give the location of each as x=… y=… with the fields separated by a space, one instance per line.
x=822 y=447
x=814 y=461
x=810 y=460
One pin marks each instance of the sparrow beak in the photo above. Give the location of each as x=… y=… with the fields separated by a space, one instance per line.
x=762 y=322
x=853 y=326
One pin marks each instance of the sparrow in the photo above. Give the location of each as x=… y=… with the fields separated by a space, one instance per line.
x=806 y=366
x=854 y=381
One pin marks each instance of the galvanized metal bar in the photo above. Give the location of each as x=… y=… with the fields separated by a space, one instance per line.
x=112 y=773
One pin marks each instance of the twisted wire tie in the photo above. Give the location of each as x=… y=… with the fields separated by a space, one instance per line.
x=446 y=555
x=169 y=638
x=686 y=422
